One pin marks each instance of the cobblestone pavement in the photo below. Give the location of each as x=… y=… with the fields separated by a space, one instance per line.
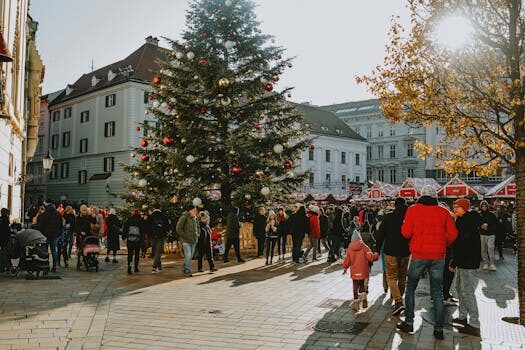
x=247 y=306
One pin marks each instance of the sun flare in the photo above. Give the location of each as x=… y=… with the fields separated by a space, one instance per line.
x=453 y=32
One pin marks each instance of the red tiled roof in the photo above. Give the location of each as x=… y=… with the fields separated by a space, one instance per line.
x=144 y=64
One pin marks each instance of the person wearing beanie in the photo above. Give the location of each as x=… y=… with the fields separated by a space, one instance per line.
x=396 y=253
x=357 y=259
x=488 y=236
x=466 y=256
x=188 y=230
x=314 y=233
x=430 y=229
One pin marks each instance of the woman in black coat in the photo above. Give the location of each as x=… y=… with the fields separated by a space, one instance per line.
x=114 y=230
x=299 y=226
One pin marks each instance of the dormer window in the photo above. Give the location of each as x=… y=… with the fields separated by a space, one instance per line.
x=339 y=131
x=111 y=75
x=69 y=90
x=324 y=128
x=94 y=81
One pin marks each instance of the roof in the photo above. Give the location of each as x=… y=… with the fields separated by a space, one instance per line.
x=50 y=97
x=326 y=123
x=497 y=190
x=143 y=62
x=457 y=188
x=355 y=108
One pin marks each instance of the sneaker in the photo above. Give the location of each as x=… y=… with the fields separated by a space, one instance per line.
x=200 y=270
x=355 y=305
x=450 y=302
x=439 y=335
x=470 y=330
x=492 y=267
x=398 y=308
x=405 y=327
x=188 y=274
x=129 y=270
x=154 y=271
x=458 y=322
x=106 y=259
x=485 y=266
x=213 y=269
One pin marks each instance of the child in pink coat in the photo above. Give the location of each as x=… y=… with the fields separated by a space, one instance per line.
x=358 y=256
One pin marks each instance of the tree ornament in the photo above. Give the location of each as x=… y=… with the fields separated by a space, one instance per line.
x=156 y=104
x=167 y=140
x=248 y=196
x=312 y=146
x=223 y=83
x=256 y=126
x=269 y=87
x=232 y=152
x=197 y=202
x=137 y=128
x=179 y=55
x=190 y=159
x=133 y=155
x=278 y=148
x=228 y=3
x=265 y=191
x=144 y=143
x=156 y=80
x=202 y=61
x=275 y=78
x=202 y=110
x=163 y=105
x=190 y=55
x=143 y=183
x=259 y=173
x=264 y=80
x=144 y=157
x=290 y=65
x=173 y=100
x=136 y=173
x=169 y=107
x=287 y=165
x=228 y=44
x=289 y=95
x=279 y=57
x=236 y=170
x=183 y=140
x=225 y=101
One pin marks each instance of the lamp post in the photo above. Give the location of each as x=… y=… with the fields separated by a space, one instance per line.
x=47 y=162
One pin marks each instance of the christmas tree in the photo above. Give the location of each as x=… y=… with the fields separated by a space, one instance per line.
x=224 y=135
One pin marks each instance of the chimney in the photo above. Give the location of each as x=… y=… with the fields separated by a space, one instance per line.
x=152 y=40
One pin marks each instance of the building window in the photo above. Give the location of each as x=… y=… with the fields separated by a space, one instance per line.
x=369 y=174
x=358 y=130
x=54 y=172
x=358 y=179
x=66 y=139
x=410 y=150
x=10 y=197
x=392 y=130
x=392 y=151
x=327 y=156
x=109 y=164
x=357 y=159
x=83 y=145
x=393 y=176
x=56 y=116
x=82 y=177
x=368 y=152
x=84 y=116
x=146 y=97
x=310 y=154
x=368 y=131
x=437 y=130
x=64 y=170
x=410 y=172
x=343 y=157
x=41 y=144
x=380 y=152
x=109 y=129
x=381 y=175
x=67 y=113
x=328 y=178
x=54 y=141
x=110 y=100
x=11 y=165
x=311 y=178
x=380 y=132
x=343 y=179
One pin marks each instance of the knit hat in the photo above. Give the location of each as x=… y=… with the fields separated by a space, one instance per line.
x=400 y=202
x=356 y=236
x=313 y=208
x=205 y=216
x=189 y=207
x=380 y=213
x=484 y=203
x=428 y=191
x=463 y=203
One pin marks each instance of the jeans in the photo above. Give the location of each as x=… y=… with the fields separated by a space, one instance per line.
x=466 y=287
x=189 y=251
x=335 y=246
x=52 y=243
x=416 y=269
x=396 y=275
x=313 y=245
x=487 y=249
x=157 y=244
x=297 y=242
x=133 y=251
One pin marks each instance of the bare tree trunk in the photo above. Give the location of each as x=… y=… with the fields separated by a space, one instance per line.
x=520 y=232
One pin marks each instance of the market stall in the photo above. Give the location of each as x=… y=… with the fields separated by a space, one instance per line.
x=456 y=188
x=505 y=189
x=411 y=187
x=382 y=190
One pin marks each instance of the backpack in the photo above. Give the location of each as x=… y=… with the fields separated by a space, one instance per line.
x=134 y=234
x=157 y=226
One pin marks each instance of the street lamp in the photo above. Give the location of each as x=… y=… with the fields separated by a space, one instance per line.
x=47 y=162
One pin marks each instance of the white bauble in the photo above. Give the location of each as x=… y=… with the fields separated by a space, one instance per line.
x=190 y=55
x=179 y=55
x=143 y=183
x=144 y=206
x=190 y=158
x=173 y=100
x=197 y=202
x=225 y=101
x=265 y=191
x=248 y=196
x=164 y=105
x=228 y=44
x=278 y=148
x=156 y=104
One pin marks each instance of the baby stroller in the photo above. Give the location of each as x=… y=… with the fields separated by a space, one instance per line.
x=88 y=252
x=30 y=246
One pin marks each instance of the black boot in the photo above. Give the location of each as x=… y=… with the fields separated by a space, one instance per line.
x=129 y=270
x=137 y=268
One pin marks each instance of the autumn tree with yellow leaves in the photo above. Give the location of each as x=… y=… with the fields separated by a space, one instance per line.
x=475 y=92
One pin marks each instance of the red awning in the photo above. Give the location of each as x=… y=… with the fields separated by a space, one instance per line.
x=102 y=176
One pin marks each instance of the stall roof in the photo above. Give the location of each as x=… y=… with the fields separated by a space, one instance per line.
x=456 y=188
x=411 y=187
x=505 y=189
x=381 y=190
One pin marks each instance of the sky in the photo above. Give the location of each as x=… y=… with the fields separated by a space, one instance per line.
x=332 y=40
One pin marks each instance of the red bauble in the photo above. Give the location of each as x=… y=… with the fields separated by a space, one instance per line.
x=269 y=87
x=151 y=97
x=144 y=143
x=170 y=107
x=287 y=165
x=144 y=157
x=312 y=146
x=247 y=207
x=202 y=61
x=137 y=128
x=167 y=140
x=157 y=79
x=202 y=110
x=256 y=126
x=236 y=170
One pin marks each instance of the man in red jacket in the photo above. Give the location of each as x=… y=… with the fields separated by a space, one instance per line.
x=429 y=229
